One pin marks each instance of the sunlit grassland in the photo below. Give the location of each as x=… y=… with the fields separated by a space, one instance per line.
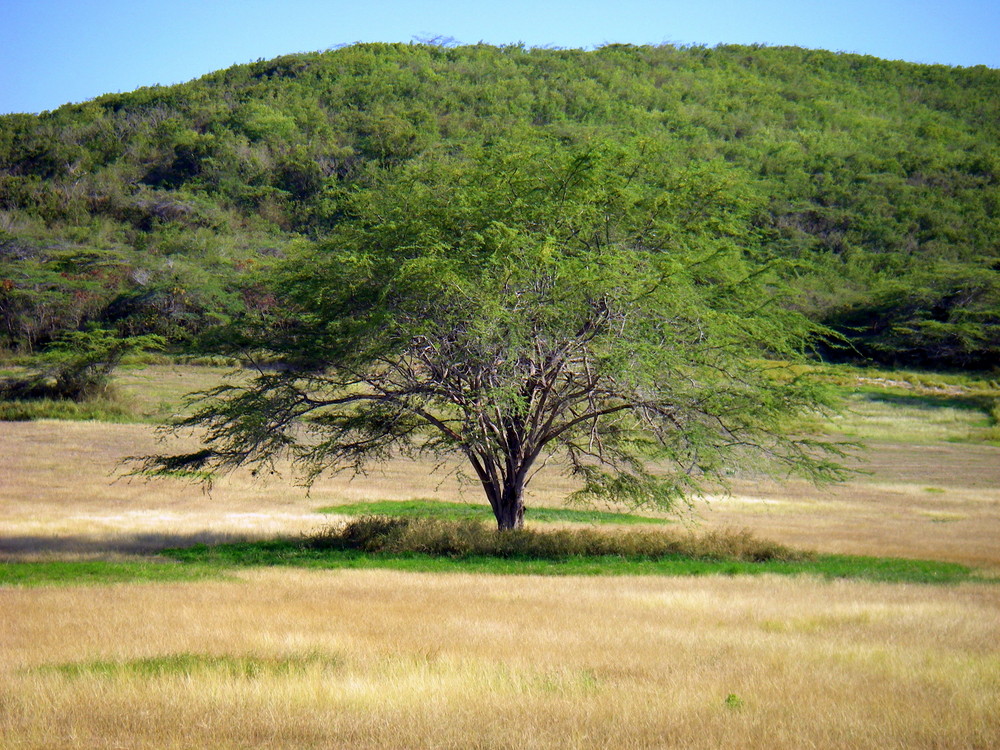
x=61 y=496
x=149 y=393
x=432 y=656
x=875 y=414
x=915 y=407
x=374 y=659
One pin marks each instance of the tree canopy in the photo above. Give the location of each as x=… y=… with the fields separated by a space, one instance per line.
x=525 y=301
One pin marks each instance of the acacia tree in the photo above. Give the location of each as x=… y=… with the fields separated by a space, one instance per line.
x=520 y=304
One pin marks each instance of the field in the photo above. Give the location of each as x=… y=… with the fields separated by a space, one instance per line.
x=287 y=657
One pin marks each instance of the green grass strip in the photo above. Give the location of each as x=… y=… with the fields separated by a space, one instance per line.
x=204 y=562
x=85 y=572
x=293 y=553
x=187 y=664
x=462 y=512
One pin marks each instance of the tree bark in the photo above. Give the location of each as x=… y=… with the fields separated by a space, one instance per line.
x=510 y=510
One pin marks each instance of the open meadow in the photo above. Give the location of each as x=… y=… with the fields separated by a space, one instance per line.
x=283 y=657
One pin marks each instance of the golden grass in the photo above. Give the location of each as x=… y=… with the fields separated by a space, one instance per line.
x=387 y=659
x=62 y=492
x=383 y=659
x=889 y=512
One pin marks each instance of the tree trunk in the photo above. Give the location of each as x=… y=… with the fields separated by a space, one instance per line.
x=510 y=509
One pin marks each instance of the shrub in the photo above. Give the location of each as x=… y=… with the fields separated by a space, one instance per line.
x=111 y=408
x=396 y=535
x=77 y=367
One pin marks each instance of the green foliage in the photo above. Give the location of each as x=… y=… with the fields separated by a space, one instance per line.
x=77 y=367
x=528 y=300
x=947 y=314
x=733 y=702
x=879 y=178
x=81 y=362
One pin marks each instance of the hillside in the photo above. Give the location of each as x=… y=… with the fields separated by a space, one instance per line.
x=151 y=210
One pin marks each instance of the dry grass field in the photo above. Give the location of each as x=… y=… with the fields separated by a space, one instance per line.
x=289 y=658
x=382 y=659
x=60 y=492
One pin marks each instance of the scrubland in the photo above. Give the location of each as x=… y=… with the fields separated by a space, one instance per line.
x=282 y=658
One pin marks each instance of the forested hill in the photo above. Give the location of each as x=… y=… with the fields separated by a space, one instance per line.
x=145 y=210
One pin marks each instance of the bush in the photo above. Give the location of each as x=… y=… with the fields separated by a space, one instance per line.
x=77 y=367
x=106 y=409
x=395 y=535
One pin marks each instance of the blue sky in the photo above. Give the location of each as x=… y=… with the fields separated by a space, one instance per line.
x=58 y=51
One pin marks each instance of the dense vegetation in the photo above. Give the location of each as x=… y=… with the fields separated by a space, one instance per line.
x=151 y=211
x=526 y=302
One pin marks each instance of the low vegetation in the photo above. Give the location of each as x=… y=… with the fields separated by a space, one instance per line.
x=468 y=511
x=914 y=406
x=470 y=547
x=461 y=539
x=922 y=418
x=144 y=388
x=73 y=379
x=434 y=545
x=109 y=408
x=193 y=666
x=88 y=572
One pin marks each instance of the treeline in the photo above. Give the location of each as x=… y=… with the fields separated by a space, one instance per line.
x=150 y=212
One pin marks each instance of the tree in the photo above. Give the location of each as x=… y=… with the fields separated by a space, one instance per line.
x=528 y=301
